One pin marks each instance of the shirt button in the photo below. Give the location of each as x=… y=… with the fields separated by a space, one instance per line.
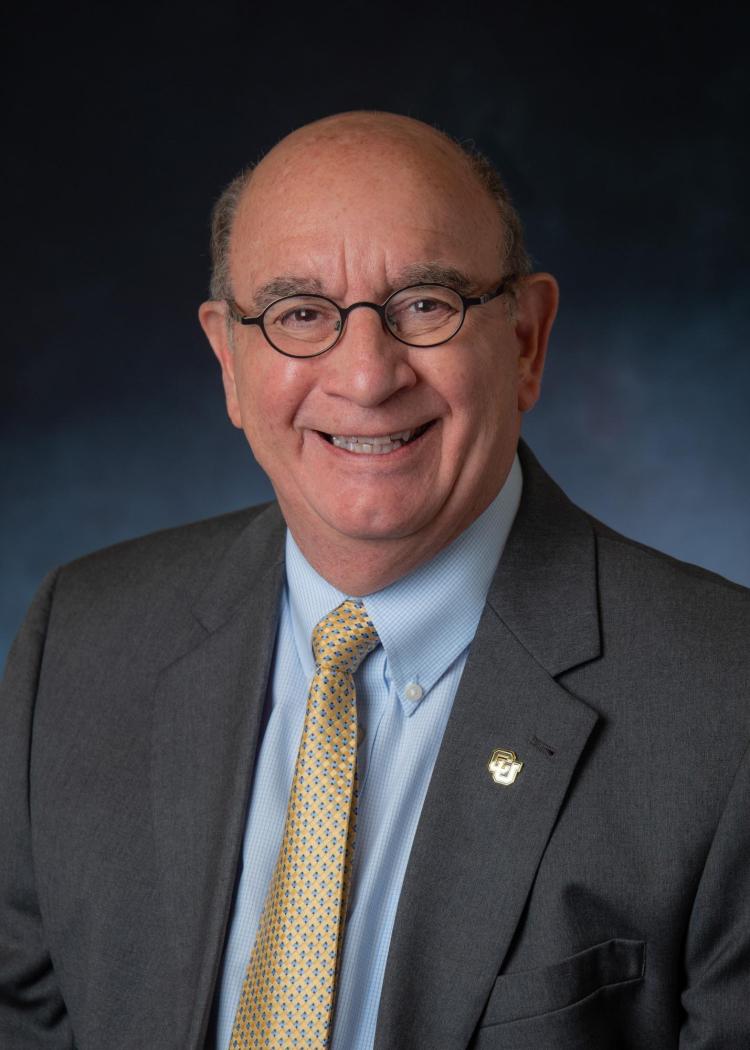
x=414 y=692
x=361 y=734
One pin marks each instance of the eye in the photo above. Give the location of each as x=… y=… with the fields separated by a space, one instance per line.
x=417 y=312
x=427 y=306
x=424 y=306
x=301 y=316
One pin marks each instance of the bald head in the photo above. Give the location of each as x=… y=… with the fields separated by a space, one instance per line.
x=360 y=132
x=360 y=126
x=337 y=152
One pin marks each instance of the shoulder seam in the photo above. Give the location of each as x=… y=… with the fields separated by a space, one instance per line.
x=604 y=532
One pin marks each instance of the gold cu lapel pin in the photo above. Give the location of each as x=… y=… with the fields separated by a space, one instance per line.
x=504 y=766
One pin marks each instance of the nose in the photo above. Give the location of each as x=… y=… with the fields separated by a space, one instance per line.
x=367 y=365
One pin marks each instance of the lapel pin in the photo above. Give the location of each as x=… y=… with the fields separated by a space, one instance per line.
x=504 y=766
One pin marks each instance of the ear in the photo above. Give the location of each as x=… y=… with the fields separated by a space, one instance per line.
x=537 y=299
x=213 y=318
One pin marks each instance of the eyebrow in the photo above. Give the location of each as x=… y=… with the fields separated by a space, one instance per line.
x=434 y=273
x=416 y=273
x=286 y=284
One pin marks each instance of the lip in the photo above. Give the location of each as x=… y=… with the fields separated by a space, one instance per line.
x=370 y=440
x=324 y=439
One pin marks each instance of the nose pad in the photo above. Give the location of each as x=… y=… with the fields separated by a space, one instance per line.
x=379 y=310
x=344 y=323
x=347 y=320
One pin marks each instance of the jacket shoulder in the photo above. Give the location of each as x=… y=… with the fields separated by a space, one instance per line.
x=187 y=551
x=671 y=614
x=645 y=561
x=138 y=596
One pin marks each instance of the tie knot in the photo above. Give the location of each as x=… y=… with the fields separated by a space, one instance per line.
x=344 y=637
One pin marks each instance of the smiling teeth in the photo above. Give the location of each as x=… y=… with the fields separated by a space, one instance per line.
x=372 y=445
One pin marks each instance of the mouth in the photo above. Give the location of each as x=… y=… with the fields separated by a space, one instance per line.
x=376 y=446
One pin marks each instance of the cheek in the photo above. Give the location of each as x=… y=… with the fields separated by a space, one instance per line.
x=481 y=395
x=455 y=378
x=270 y=393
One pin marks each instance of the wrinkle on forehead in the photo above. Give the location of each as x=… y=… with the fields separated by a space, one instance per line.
x=360 y=178
x=418 y=273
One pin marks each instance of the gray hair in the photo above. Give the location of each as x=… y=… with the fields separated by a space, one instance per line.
x=222 y=221
x=516 y=260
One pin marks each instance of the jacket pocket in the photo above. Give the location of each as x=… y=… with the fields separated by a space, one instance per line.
x=530 y=993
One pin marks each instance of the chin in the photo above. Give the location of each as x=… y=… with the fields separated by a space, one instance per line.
x=377 y=525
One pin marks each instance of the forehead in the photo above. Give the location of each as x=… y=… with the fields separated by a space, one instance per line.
x=363 y=205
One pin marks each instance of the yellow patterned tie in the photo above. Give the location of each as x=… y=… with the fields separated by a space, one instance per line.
x=288 y=994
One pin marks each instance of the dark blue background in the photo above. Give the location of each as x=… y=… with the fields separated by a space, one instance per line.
x=623 y=138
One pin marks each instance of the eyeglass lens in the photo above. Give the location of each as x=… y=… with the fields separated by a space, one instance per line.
x=304 y=325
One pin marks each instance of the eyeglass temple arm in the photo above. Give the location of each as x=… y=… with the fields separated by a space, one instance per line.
x=479 y=300
x=235 y=312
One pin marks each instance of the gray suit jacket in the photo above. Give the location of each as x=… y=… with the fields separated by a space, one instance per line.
x=601 y=901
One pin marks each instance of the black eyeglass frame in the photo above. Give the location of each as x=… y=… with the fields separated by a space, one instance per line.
x=235 y=312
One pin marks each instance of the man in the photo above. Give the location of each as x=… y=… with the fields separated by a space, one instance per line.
x=511 y=812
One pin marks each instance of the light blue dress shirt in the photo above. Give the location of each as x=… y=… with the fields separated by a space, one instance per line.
x=405 y=689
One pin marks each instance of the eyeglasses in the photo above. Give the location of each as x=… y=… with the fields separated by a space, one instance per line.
x=309 y=325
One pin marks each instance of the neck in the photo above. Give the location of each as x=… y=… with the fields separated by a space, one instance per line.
x=358 y=566
x=364 y=566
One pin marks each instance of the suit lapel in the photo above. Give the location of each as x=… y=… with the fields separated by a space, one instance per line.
x=207 y=713
x=478 y=844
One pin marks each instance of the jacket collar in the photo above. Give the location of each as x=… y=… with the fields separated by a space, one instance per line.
x=545 y=587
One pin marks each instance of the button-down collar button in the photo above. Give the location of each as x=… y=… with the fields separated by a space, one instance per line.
x=414 y=692
x=361 y=733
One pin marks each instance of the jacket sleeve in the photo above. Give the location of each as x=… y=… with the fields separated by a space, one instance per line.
x=717 y=951
x=32 y=1010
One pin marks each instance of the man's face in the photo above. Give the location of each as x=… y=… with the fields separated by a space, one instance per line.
x=355 y=222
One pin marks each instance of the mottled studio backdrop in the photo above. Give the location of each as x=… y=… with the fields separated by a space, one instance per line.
x=624 y=141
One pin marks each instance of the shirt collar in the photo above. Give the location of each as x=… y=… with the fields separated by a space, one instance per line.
x=426 y=619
